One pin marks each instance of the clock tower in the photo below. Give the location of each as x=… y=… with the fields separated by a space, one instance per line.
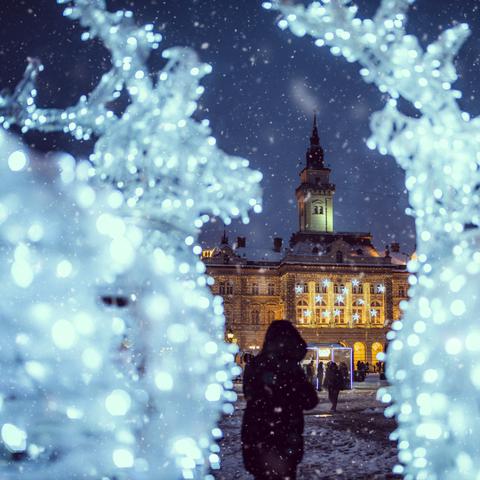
x=315 y=192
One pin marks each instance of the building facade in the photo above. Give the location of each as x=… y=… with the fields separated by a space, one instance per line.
x=334 y=286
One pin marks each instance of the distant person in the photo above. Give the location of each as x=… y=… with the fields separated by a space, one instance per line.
x=277 y=392
x=310 y=372
x=343 y=369
x=333 y=383
x=320 y=373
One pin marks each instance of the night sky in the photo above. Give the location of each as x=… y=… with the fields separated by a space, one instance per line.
x=260 y=98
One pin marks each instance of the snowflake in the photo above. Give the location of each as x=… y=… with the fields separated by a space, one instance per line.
x=373 y=312
x=318 y=299
x=340 y=299
x=298 y=289
x=355 y=282
x=337 y=312
x=381 y=288
x=325 y=282
x=355 y=317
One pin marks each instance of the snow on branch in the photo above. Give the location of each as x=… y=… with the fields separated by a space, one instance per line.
x=160 y=158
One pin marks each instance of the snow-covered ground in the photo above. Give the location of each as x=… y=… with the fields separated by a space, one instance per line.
x=349 y=444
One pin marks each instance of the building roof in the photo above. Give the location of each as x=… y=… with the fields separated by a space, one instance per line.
x=339 y=248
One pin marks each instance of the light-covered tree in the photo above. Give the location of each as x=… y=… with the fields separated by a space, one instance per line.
x=433 y=362
x=165 y=178
x=62 y=402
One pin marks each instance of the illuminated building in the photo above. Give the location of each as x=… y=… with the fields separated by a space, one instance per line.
x=335 y=286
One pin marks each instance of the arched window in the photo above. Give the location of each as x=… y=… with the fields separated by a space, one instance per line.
x=357 y=289
x=359 y=352
x=254 y=288
x=303 y=314
x=401 y=291
x=339 y=257
x=271 y=289
x=270 y=316
x=339 y=288
x=301 y=287
x=377 y=348
x=318 y=209
x=321 y=287
x=221 y=288
x=229 y=288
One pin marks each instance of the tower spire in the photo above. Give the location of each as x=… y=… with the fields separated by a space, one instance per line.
x=314 y=155
x=314 y=139
x=315 y=192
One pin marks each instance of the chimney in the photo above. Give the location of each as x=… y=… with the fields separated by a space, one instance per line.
x=395 y=247
x=241 y=242
x=277 y=244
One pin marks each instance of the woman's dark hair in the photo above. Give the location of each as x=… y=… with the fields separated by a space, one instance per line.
x=283 y=340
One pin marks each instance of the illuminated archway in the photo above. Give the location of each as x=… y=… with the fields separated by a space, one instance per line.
x=377 y=347
x=359 y=352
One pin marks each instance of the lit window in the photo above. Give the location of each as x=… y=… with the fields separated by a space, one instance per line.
x=339 y=315
x=376 y=314
x=301 y=288
x=303 y=314
x=318 y=209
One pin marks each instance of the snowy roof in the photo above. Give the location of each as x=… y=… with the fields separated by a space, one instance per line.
x=399 y=258
x=340 y=248
x=259 y=254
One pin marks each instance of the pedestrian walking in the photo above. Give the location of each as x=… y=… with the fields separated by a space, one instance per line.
x=333 y=382
x=277 y=392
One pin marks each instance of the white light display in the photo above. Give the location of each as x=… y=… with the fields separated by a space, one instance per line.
x=298 y=289
x=162 y=177
x=57 y=347
x=434 y=354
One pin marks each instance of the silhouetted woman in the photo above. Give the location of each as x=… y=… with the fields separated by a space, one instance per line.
x=277 y=393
